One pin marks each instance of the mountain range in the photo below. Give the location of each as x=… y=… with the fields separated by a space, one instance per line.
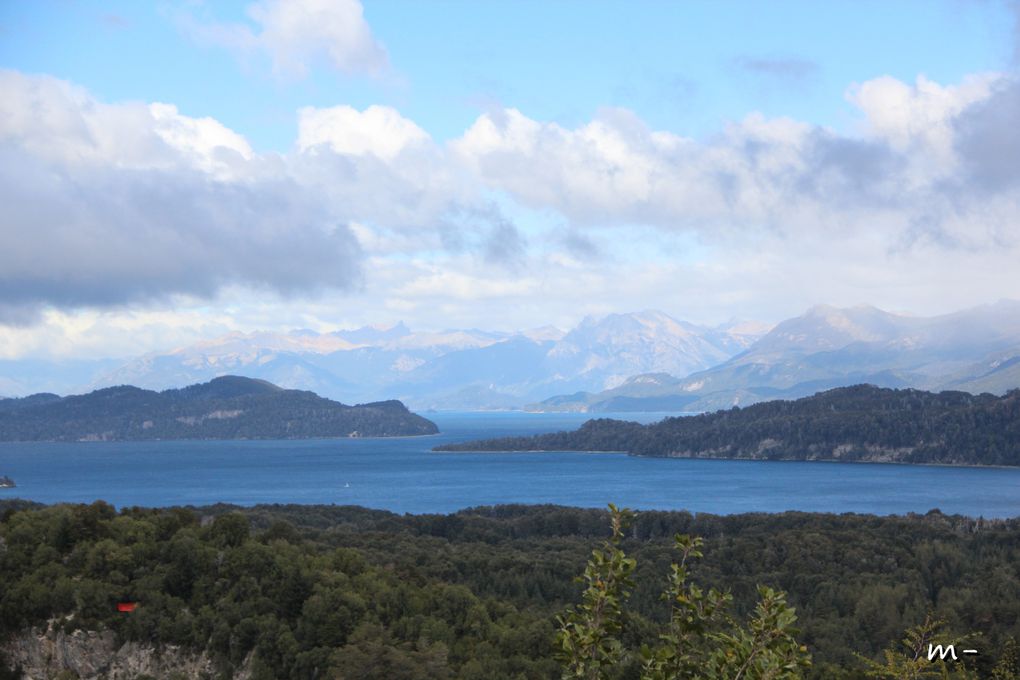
x=456 y=369
x=974 y=350
x=641 y=361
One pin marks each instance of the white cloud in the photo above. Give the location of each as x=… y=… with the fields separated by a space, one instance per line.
x=899 y=176
x=215 y=147
x=377 y=167
x=378 y=130
x=296 y=35
x=918 y=118
x=615 y=169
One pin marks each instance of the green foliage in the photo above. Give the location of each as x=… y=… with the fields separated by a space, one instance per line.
x=860 y=423
x=475 y=594
x=910 y=660
x=588 y=635
x=1008 y=667
x=703 y=641
x=700 y=642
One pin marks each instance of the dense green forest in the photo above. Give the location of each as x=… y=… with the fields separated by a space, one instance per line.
x=229 y=407
x=860 y=423
x=331 y=591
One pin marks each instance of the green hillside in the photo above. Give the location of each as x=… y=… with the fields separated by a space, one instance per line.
x=860 y=423
x=229 y=407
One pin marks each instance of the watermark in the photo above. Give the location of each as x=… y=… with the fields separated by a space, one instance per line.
x=946 y=651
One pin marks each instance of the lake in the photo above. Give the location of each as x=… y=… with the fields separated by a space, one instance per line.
x=403 y=475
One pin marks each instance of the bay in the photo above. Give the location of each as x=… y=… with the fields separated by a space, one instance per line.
x=404 y=475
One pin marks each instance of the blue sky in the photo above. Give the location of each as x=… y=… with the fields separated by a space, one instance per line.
x=685 y=66
x=175 y=170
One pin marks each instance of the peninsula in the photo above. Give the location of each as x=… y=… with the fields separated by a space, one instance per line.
x=862 y=423
x=228 y=407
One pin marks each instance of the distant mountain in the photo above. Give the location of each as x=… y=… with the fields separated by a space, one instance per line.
x=456 y=369
x=229 y=407
x=367 y=335
x=975 y=350
x=640 y=393
x=641 y=361
x=29 y=376
x=997 y=373
x=617 y=346
x=861 y=424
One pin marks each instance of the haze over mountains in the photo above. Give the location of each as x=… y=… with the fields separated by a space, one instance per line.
x=637 y=361
x=974 y=350
x=465 y=369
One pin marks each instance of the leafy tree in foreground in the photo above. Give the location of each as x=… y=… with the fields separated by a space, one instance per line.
x=701 y=641
x=913 y=660
x=588 y=634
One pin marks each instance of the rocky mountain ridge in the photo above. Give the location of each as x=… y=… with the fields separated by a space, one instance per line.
x=975 y=350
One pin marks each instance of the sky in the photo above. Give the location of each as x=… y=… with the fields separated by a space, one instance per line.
x=173 y=171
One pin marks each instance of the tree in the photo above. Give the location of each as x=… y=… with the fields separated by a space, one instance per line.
x=700 y=642
x=587 y=637
x=910 y=661
x=1008 y=667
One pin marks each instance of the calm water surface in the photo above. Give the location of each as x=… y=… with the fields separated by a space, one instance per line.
x=403 y=475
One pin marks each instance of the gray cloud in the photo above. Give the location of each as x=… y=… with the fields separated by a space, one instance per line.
x=580 y=246
x=105 y=205
x=988 y=139
x=504 y=244
x=779 y=68
x=845 y=171
x=111 y=204
x=111 y=236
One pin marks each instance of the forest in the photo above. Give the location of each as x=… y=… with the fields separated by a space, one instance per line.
x=292 y=591
x=861 y=423
x=228 y=407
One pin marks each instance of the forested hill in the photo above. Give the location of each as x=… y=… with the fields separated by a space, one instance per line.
x=229 y=407
x=859 y=423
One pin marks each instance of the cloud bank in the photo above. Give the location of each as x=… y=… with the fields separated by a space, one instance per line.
x=929 y=162
x=111 y=204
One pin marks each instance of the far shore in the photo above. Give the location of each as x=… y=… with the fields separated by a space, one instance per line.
x=749 y=460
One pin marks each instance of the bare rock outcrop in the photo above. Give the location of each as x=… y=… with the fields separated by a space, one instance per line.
x=96 y=655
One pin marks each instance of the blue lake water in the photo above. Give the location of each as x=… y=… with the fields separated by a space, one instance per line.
x=403 y=475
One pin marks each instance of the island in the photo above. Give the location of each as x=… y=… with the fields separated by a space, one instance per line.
x=228 y=407
x=862 y=423
x=6 y=482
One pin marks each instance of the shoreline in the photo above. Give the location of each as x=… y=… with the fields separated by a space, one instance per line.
x=215 y=439
x=748 y=460
x=217 y=508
